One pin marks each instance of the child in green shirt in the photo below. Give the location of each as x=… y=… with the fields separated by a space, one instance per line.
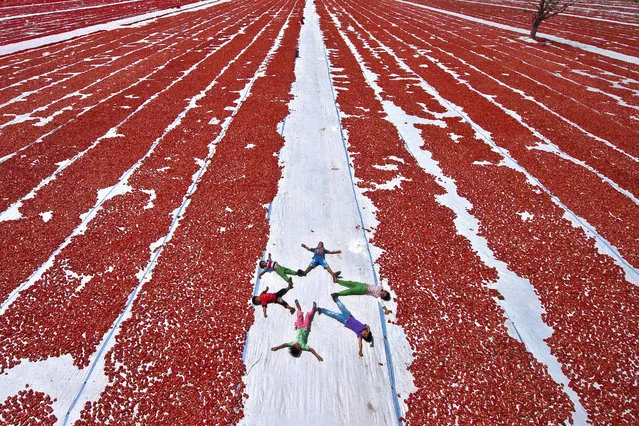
x=269 y=265
x=303 y=327
x=357 y=288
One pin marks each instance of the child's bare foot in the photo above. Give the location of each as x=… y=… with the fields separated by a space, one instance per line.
x=335 y=280
x=297 y=304
x=290 y=284
x=314 y=307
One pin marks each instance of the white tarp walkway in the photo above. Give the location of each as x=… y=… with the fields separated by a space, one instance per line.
x=316 y=202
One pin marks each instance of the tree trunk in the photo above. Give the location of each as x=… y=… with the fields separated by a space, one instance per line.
x=535 y=26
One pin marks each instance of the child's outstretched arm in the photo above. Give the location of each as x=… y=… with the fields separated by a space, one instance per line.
x=277 y=348
x=306 y=247
x=360 y=347
x=265 y=316
x=319 y=358
x=333 y=252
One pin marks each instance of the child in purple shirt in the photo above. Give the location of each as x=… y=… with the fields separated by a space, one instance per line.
x=362 y=331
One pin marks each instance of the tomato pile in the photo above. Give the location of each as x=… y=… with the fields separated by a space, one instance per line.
x=613 y=35
x=179 y=356
x=28 y=407
x=150 y=102
x=34 y=19
x=101 y=166
x=83 y=314
x=466 y=367
x=91 y=278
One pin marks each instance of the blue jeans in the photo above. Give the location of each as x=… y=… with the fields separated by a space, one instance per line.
x=342 y=316
x=318 y=261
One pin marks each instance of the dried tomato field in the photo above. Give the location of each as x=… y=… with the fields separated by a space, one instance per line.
x=152 y=152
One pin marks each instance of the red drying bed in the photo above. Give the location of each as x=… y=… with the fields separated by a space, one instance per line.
x=110 y=158
x=115 y=245
x=90 y=310
x=25 y=407
x=567 y=180
x=29 y=21
x=495 y=38
x=585 y=295
x=467 y=368
x=22 y=7
x=184 y=340
x=617 y=31
x=554 y=76
x=464 y=358
x=619 y=10
x=73 y=81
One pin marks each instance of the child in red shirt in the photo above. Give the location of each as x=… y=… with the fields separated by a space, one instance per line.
x=265 y=298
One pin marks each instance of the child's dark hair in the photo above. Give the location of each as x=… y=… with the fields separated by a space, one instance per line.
x=368 y=338
x=254 y=300
x=386 y=295
x=262 y=263
x=295 y=351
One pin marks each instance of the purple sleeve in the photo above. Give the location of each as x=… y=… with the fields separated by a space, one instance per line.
x=354 y=325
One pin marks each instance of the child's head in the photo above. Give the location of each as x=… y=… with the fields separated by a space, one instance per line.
x=256 y=300
x=385 y=295
x=320 y=244
x=367 y=335
x=262 y=264
x=295 y=350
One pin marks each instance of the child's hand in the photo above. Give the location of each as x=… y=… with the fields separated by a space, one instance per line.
x=361 y=353
x=277 y=348
x=319 y=358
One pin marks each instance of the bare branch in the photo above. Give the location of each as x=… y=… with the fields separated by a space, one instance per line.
x=546 y=9
x=564 y=7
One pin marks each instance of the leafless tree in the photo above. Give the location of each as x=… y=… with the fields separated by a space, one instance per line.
x=547 y=9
